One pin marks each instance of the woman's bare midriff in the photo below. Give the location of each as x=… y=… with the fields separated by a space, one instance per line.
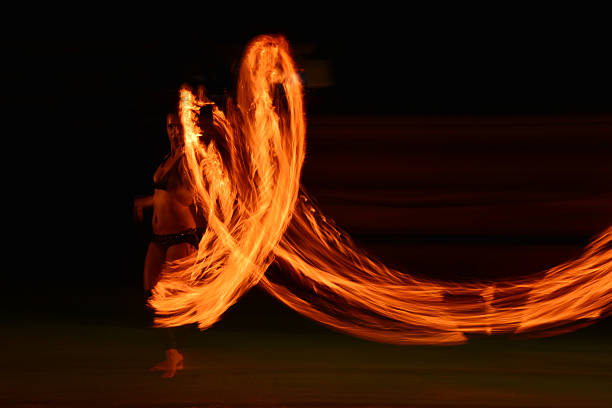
x=170 y=216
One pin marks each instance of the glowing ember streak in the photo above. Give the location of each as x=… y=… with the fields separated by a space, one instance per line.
x=257 y=213
x=353 y=293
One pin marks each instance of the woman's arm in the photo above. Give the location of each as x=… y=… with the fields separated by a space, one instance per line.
x=141 y=203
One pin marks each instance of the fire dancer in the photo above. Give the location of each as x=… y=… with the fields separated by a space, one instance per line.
x=176 y=232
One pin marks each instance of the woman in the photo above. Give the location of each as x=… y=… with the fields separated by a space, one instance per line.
x=175 y=230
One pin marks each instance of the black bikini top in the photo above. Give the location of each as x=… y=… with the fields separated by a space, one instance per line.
x=161 y=186
x=163 y=183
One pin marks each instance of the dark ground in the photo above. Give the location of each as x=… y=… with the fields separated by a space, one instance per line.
x=58 y=363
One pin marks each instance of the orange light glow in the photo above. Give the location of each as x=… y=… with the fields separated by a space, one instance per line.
x=258 y=213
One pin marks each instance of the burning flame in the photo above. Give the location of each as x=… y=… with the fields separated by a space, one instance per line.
x=248 y=187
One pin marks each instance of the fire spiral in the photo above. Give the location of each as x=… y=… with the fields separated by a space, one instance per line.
x=247 y=185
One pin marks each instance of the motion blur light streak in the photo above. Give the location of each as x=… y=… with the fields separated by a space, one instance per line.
x=258 y=213
x=249 y=201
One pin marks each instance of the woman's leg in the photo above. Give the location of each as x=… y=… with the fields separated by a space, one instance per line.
x=152 y=266
x=174 y=359
x=154 y=261
x=179 y=251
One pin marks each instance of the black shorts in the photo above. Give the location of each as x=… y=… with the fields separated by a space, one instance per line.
x=191 y=236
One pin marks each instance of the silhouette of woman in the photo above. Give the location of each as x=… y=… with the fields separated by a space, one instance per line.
x=176 y=232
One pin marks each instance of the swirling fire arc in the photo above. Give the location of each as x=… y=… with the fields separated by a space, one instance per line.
x=248 y=188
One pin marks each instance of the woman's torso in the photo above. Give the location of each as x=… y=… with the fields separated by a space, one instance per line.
x=170 y=215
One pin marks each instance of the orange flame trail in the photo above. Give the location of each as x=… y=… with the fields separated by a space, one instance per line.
x=257 y=213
